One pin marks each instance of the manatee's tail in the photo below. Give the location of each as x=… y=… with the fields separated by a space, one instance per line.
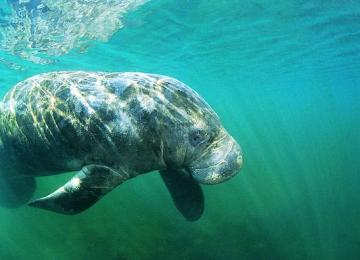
x=16 y=190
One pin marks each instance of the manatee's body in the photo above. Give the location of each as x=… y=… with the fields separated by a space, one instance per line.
x=61 y=121
x=110 y=127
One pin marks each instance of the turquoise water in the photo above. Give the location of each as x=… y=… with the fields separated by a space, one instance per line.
x=283 y=77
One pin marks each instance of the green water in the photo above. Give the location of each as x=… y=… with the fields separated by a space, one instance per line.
x=284 y=78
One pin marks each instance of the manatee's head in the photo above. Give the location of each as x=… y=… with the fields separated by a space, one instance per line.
x=214 y=155
x=194 y=141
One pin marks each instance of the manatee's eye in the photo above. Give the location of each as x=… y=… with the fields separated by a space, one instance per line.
x=197 y=137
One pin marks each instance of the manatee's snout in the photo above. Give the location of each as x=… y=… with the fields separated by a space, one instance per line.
x=221 y=161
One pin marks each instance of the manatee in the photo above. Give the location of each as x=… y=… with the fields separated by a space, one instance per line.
x=110 y=127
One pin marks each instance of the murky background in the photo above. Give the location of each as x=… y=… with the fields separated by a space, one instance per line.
x=284 y=78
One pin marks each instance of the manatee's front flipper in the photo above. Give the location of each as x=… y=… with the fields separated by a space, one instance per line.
x=16 y=190
x=88 y=186
x=186 y=194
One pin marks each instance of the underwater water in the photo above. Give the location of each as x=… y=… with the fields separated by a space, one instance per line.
x=283 y=76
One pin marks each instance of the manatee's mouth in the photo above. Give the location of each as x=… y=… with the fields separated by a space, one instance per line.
x=220 y=163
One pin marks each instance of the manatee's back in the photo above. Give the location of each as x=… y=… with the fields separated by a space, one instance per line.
x=48 y=123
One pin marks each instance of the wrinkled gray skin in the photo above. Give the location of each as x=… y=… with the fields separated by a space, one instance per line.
x=110 y=127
